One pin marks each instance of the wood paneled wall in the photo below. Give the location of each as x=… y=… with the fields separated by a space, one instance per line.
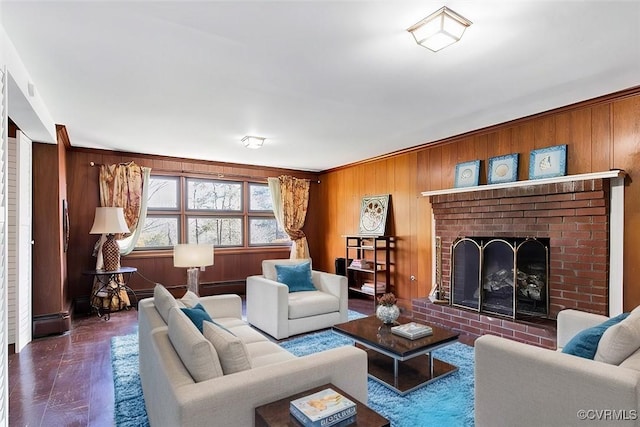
x=157 y=266
x=601 y=134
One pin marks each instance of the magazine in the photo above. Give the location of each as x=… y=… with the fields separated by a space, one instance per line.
x=412 y=330
x=324 y=408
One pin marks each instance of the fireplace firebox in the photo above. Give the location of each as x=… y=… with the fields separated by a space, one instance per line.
x=507 y=276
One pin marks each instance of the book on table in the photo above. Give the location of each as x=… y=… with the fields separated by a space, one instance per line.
x=323 y=409
x=412 y=330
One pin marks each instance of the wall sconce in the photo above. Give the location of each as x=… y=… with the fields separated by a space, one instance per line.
x=193 y=256
x=110 y=221
x=440 y=29
x=253 y=142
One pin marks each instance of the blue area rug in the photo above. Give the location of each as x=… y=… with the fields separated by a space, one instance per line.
x=445 y=402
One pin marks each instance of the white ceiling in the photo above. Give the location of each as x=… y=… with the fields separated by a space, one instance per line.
x=326 y=82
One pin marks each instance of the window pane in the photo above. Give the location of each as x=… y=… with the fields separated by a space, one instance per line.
x=260 y=198
x=265 y=231
x=163 y=193
x=159 y=231
x=221 y=231
x=214 y=195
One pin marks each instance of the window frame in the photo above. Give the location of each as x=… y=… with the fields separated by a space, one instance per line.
x=184 y=214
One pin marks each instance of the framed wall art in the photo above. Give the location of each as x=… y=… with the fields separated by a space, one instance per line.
x=373 y=215
x=467 y=174
x=503 y=169
x=548 y=162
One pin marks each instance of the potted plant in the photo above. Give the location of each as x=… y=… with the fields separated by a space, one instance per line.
x=387 y=310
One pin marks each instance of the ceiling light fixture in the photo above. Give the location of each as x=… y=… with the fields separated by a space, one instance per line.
x=254 y=142
x=440 y=29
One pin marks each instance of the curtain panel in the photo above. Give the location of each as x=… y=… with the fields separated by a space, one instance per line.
x=295 y=201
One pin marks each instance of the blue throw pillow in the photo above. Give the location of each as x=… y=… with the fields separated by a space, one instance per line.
x=197 y=314
x=297 y=277
x=585 y=343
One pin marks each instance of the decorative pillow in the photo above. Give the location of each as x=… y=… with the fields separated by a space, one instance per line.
x=585 y=343
x=190 y=299
x=232 y=352
x=269 y=266
x=164 y=301
x=197 y=315
x=620 y=341
x=296 y=277
x=197 y=353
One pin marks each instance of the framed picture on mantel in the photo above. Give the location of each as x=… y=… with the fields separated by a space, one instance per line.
x=503 y=169
x=548 y=162
x=467 y=174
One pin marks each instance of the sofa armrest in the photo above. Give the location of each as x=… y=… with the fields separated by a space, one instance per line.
x=516 y=382
x=335 y=285
x=232 y=399
x=570 y=322
x=228 y=305
x=268 y=306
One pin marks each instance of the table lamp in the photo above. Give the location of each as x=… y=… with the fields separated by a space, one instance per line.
x=193 y=256
x=110 y=221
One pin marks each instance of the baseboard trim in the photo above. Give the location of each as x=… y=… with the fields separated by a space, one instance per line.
x=51 y=324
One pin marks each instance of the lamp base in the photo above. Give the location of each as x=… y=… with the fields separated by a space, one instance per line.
x=111 y=253
x=192 y=280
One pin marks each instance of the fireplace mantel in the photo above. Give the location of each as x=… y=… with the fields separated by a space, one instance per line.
x=615 y=173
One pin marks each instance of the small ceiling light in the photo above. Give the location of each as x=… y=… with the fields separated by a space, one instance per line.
x=440 y=29
x=254 y=142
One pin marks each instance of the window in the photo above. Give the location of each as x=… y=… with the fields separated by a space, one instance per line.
x=198 y=210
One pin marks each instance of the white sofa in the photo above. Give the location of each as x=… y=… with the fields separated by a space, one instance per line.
x=174 y=398
x=281 y=314
x=518 y=384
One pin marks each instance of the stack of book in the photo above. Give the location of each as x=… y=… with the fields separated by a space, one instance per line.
x=412 y=330
x=368 y=288
x=325 y=408
x=361 y=263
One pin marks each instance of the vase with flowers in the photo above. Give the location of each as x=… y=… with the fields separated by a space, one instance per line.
x=387 y=310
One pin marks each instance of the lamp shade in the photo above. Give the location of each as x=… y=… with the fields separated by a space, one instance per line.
x=109 y=221
x=440 y=29
x=192 y=255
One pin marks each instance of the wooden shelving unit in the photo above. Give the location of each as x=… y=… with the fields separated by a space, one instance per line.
x=374 y=255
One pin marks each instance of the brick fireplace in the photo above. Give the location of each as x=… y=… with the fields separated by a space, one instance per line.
x=575 y=217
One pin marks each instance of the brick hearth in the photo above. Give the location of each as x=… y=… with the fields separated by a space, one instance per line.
x=574 y=216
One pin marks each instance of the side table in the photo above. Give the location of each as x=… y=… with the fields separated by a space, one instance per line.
x=111 y=283
x=277 y=413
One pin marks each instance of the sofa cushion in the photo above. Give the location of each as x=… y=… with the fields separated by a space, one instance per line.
x=163 y=301
x=620 y=341
x=269 y=266
x=265 y=353
x=197 y=353
x=296 y=277
x=197 y=315
x=190 y=299
x=311 y=303
x=232 y=352
x=585 y=343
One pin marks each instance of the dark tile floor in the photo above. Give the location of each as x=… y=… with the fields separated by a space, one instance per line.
x=66 y=380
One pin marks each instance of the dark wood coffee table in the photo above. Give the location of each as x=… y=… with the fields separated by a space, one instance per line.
x=399 y=363
x=277 y=413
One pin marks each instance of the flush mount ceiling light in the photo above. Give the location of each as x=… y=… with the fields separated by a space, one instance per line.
x=254 y=142
x=440 y=29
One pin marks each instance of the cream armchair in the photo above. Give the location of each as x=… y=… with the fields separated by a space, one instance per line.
x=280 y=313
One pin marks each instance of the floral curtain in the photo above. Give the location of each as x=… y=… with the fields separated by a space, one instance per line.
x=295 y=201
x=122 y=185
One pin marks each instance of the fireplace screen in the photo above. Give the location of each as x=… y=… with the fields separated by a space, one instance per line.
x=505 y=276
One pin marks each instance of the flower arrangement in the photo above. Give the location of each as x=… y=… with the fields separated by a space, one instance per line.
x=387 y=300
